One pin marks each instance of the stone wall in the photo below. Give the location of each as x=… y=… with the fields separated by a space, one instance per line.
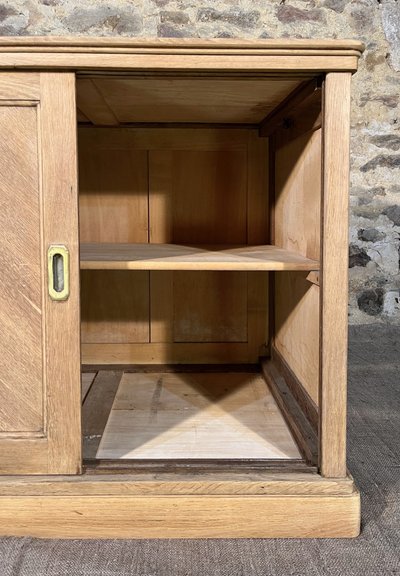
x=375 y=175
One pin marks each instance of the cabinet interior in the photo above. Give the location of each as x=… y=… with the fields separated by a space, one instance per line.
x=199 y=206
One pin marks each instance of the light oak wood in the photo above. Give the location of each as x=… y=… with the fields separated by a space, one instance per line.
x=21 y=390
x=279 y=117
x=24 y=455
x=102 y=256
x=258 y=232
x=208 y=187
x=113 y=187
x=60 y=225
x=169 y=352
x=91 y=103
x=217 y=180
x=168 y=138
x=297 y=308
x=115 y=306
x=181 y=516
x=210 y=307
x=313 y=277
x=165 y=44
x=186 y=306
x=21 y=86
x=297 y=227
x=197 y=99
x=195 y=415
x=298 y=195
x=305 y=118
x=296 y=419
x=182 y=55
x=256 y=62
x=96 y=409
x=297 y=390
x=334 y=277
x=212 y=163
x=87 y=381
x=279 y=482
x=40 y=367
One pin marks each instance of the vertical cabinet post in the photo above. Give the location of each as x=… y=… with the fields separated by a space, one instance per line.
x=334 y=276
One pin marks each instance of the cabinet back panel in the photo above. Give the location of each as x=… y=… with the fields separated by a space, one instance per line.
x=21 y=375
x=221 y=317
x=113 y=205
x=200 y=196
x=205 y=196
x=202 y=187
x=113 y=198
x=115 y=306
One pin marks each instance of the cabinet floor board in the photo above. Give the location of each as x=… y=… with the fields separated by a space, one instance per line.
x=195 y=416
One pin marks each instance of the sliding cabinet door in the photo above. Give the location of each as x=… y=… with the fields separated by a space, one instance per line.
x=39 y=279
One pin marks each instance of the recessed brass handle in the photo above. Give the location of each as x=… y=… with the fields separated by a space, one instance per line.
x=58 y=272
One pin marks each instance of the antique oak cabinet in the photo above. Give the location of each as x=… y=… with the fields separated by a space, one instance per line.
x=173 y=288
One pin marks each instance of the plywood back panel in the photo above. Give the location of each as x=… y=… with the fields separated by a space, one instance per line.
x=204 y=186
x=169 y=99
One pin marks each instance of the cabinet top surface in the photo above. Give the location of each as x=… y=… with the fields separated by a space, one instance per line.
x=89 y=43
x=83 y=53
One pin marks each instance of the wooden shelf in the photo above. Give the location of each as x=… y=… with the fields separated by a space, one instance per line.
x=96 y=256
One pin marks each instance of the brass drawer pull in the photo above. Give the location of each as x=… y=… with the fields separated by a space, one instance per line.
x=58 y=272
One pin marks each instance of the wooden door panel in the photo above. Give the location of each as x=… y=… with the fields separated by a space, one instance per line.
x=39 y=339
x=21 y=359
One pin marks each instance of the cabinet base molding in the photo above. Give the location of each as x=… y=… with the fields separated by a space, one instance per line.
x=322 y=508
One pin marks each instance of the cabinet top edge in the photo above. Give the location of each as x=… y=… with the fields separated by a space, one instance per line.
x=90 y=43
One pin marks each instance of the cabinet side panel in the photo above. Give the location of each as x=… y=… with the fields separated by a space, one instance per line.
x=297 y=328
x=21 y=362
x=297 y=228
x=298 y=195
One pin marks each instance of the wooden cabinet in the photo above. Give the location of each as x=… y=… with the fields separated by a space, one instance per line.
x=173 y=292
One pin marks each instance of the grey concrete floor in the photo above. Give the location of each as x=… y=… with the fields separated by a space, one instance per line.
x=373 y=457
